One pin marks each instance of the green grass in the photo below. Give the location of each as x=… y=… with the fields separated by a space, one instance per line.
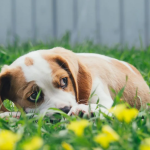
x=53 y=134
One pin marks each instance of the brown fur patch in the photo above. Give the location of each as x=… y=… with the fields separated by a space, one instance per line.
x=28 y=61
x=84 y=84
x=18 y=90
x=58 y=73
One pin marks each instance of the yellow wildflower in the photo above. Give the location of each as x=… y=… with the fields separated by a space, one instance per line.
x=8 y=140
x=78 y=126
x=124 y=114
x=113 y=136
x=102 y=139
x=129 y=114
x=67 y=146
x=117 y=110
x=34 y=144
x=107 y=136
x=144 y=147
x=145 y=144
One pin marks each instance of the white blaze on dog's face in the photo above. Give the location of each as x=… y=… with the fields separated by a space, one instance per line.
x=55 y=74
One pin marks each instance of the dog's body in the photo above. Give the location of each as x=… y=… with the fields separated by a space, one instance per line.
x=66 y=81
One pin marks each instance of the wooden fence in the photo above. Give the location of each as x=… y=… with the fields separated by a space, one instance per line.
x=107 y=22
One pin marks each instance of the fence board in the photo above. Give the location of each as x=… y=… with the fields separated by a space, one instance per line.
x=86 y=20
x=109 y=22
x=24 y=20
x=147 y=22
x=134 y=22
x=5 y=22
x=44 y=20
x=103 y=21
x=64 y=16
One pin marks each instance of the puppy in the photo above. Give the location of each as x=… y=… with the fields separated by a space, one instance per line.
x=65 y=80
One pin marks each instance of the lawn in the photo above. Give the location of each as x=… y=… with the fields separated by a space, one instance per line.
x=130 y=130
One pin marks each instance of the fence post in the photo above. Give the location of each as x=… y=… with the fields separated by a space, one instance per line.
x=54 y=12
x=97 y=8
x=146 y=22
x=33 y=17
x=13 y=14
x=121 y=19
x=75 y=20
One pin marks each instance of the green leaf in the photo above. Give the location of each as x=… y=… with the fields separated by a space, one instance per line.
x=37 y=97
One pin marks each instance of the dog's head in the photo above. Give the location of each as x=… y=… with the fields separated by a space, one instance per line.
x=46 y=79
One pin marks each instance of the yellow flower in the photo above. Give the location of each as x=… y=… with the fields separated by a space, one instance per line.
x=78 y=126
x=34 y=144
x=107 y=136
x=111 y=134
x=117 y=110
x=102 y=139
x=124 y=114
x=129 y=114
x=67 y=146
x=144 y=147
x=145 y=144
x=8 y=140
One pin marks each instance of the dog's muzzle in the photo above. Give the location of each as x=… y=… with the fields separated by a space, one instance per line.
x=66 y=109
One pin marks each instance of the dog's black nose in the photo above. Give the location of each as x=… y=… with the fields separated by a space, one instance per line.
x=66 y=109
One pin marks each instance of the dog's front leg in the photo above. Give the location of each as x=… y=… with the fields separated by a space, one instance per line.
x=88 y=110
x=104 y=104
x=10 y=114
x=85 y=109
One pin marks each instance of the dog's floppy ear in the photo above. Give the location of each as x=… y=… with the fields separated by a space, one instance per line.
x=84 y=80
x=5 y=81
x=79 y=74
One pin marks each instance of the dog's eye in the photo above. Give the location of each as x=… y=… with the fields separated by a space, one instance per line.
x=64 y=82
x=35 y=97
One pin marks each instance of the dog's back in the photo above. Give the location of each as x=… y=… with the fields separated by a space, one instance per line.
x=116 y=74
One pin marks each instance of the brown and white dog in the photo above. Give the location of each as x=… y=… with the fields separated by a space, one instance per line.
x=66 y=81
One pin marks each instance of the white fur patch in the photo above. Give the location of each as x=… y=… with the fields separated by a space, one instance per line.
x=106 y=58
x=95 y=55
x=100 y=93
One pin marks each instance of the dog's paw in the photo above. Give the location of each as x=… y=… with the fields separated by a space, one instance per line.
x=10 y=114
x=82 y=109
